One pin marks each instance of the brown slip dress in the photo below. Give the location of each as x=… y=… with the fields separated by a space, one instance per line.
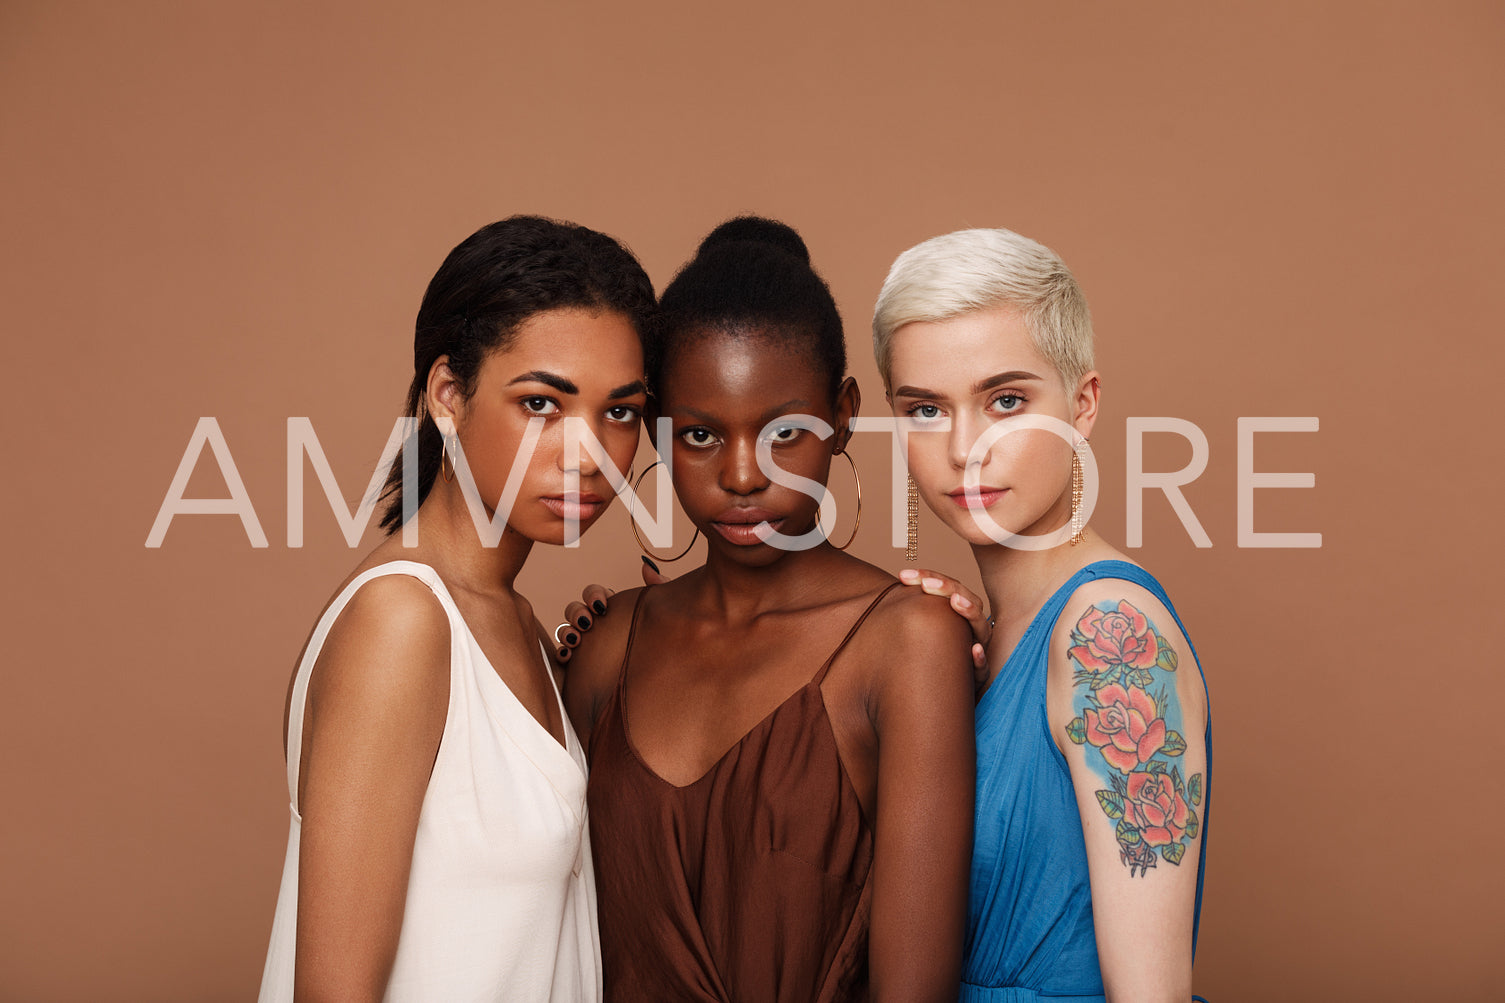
x=748 y=885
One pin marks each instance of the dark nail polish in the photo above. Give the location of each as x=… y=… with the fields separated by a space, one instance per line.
x=564 y=652
x=584 y=622
x=572 y=637
x=599 y=607
x=650 y=564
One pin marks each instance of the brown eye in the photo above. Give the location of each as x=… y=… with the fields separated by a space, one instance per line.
x=698 y=437
x=539 y=405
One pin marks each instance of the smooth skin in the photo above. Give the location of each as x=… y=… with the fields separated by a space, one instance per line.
x=973 y=371
x=379 y=693
x=727 y=643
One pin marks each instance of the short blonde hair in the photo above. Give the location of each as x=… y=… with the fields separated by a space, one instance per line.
x=972 y=270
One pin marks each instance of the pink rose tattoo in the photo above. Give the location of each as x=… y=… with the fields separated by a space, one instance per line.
x=1111 y=639
x=1119 y=656
x=1126 y=728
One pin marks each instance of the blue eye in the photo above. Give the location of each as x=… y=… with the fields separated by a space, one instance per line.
x=1008 y=403
x=924 y=412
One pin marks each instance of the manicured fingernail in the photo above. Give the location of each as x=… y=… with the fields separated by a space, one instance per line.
x=908 y=575
x=564 y=652
x=932 y=583
x=572 y=637
x=599 y=607
x=650 y=564
x=961 y=601
x=584 y=622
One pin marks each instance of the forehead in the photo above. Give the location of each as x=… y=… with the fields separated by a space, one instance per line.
x=953 y=353
x=724 y=371
x=585 y=343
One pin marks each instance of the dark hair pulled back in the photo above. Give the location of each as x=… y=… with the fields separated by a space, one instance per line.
x=750 y=277
x=486 y=288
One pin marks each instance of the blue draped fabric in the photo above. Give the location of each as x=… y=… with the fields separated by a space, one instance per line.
x=1030 y=933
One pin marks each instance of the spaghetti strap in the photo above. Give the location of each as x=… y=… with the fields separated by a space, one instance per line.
x=821 y=675
x=632 y=632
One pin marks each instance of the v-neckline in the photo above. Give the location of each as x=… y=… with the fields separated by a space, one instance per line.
x=766 y=719
x=568 y=745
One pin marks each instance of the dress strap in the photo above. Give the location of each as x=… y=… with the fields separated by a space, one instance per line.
x=821 y=675
x=299 y=701
x=632 y=631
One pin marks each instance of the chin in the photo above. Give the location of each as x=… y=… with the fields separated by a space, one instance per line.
x=965 y=527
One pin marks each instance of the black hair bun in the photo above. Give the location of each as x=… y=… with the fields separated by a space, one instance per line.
x=757 y=230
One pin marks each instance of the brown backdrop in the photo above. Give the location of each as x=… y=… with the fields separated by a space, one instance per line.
x=231 y=209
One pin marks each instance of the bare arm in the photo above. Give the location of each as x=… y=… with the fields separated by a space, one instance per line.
x=1129 y=711
x=923 y=829
x=596 y=661
x=377 y=702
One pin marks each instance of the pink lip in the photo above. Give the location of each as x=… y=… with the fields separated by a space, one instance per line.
x=743 y=526
x=978 y=497
x=583 y=506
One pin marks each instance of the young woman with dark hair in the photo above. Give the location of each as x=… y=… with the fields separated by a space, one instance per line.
x=437 y=848
x=780 y=740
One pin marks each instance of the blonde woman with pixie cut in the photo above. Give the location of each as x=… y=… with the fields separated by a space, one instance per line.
x=1094 y=743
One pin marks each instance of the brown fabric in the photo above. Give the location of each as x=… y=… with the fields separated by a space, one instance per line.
x=749 y=884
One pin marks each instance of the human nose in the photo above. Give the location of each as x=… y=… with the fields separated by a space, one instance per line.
x=740 y=473
x=582 y=458
x=961 y=439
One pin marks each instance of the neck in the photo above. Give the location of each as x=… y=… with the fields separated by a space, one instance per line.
x=740 y=592
x=1018 y=582
x=448 y=533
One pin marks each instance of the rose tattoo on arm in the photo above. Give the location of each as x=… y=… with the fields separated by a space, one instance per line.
x=1120 y=658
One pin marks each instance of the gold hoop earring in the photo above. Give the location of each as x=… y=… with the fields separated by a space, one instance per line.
x=1076 y=496
x=912 y=544
x=632 y=521
x=856 y=477
x=447 y=474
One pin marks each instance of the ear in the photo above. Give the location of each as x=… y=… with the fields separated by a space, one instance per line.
x=848 y=404
x=1084 y=404
x=442 y=394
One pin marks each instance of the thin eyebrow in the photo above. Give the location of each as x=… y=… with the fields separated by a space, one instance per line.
x=559 y=383
x=627 y=390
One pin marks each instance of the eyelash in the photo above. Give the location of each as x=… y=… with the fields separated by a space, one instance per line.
x=534 y=404
x=1010 y=395
x=913 y=410
x=684 y=436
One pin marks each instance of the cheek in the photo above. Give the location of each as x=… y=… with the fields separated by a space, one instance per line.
x=928 y=462
x=621 y=444
x=1034 y=459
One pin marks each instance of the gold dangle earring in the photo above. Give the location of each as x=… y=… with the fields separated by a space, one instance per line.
x=632 y=521
x=912 y=544
x=1076 y=493
x=856 y=477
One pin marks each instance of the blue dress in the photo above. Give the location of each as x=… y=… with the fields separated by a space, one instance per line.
x=1029 y=934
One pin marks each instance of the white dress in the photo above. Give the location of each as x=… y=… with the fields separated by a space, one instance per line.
x=501 y=901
